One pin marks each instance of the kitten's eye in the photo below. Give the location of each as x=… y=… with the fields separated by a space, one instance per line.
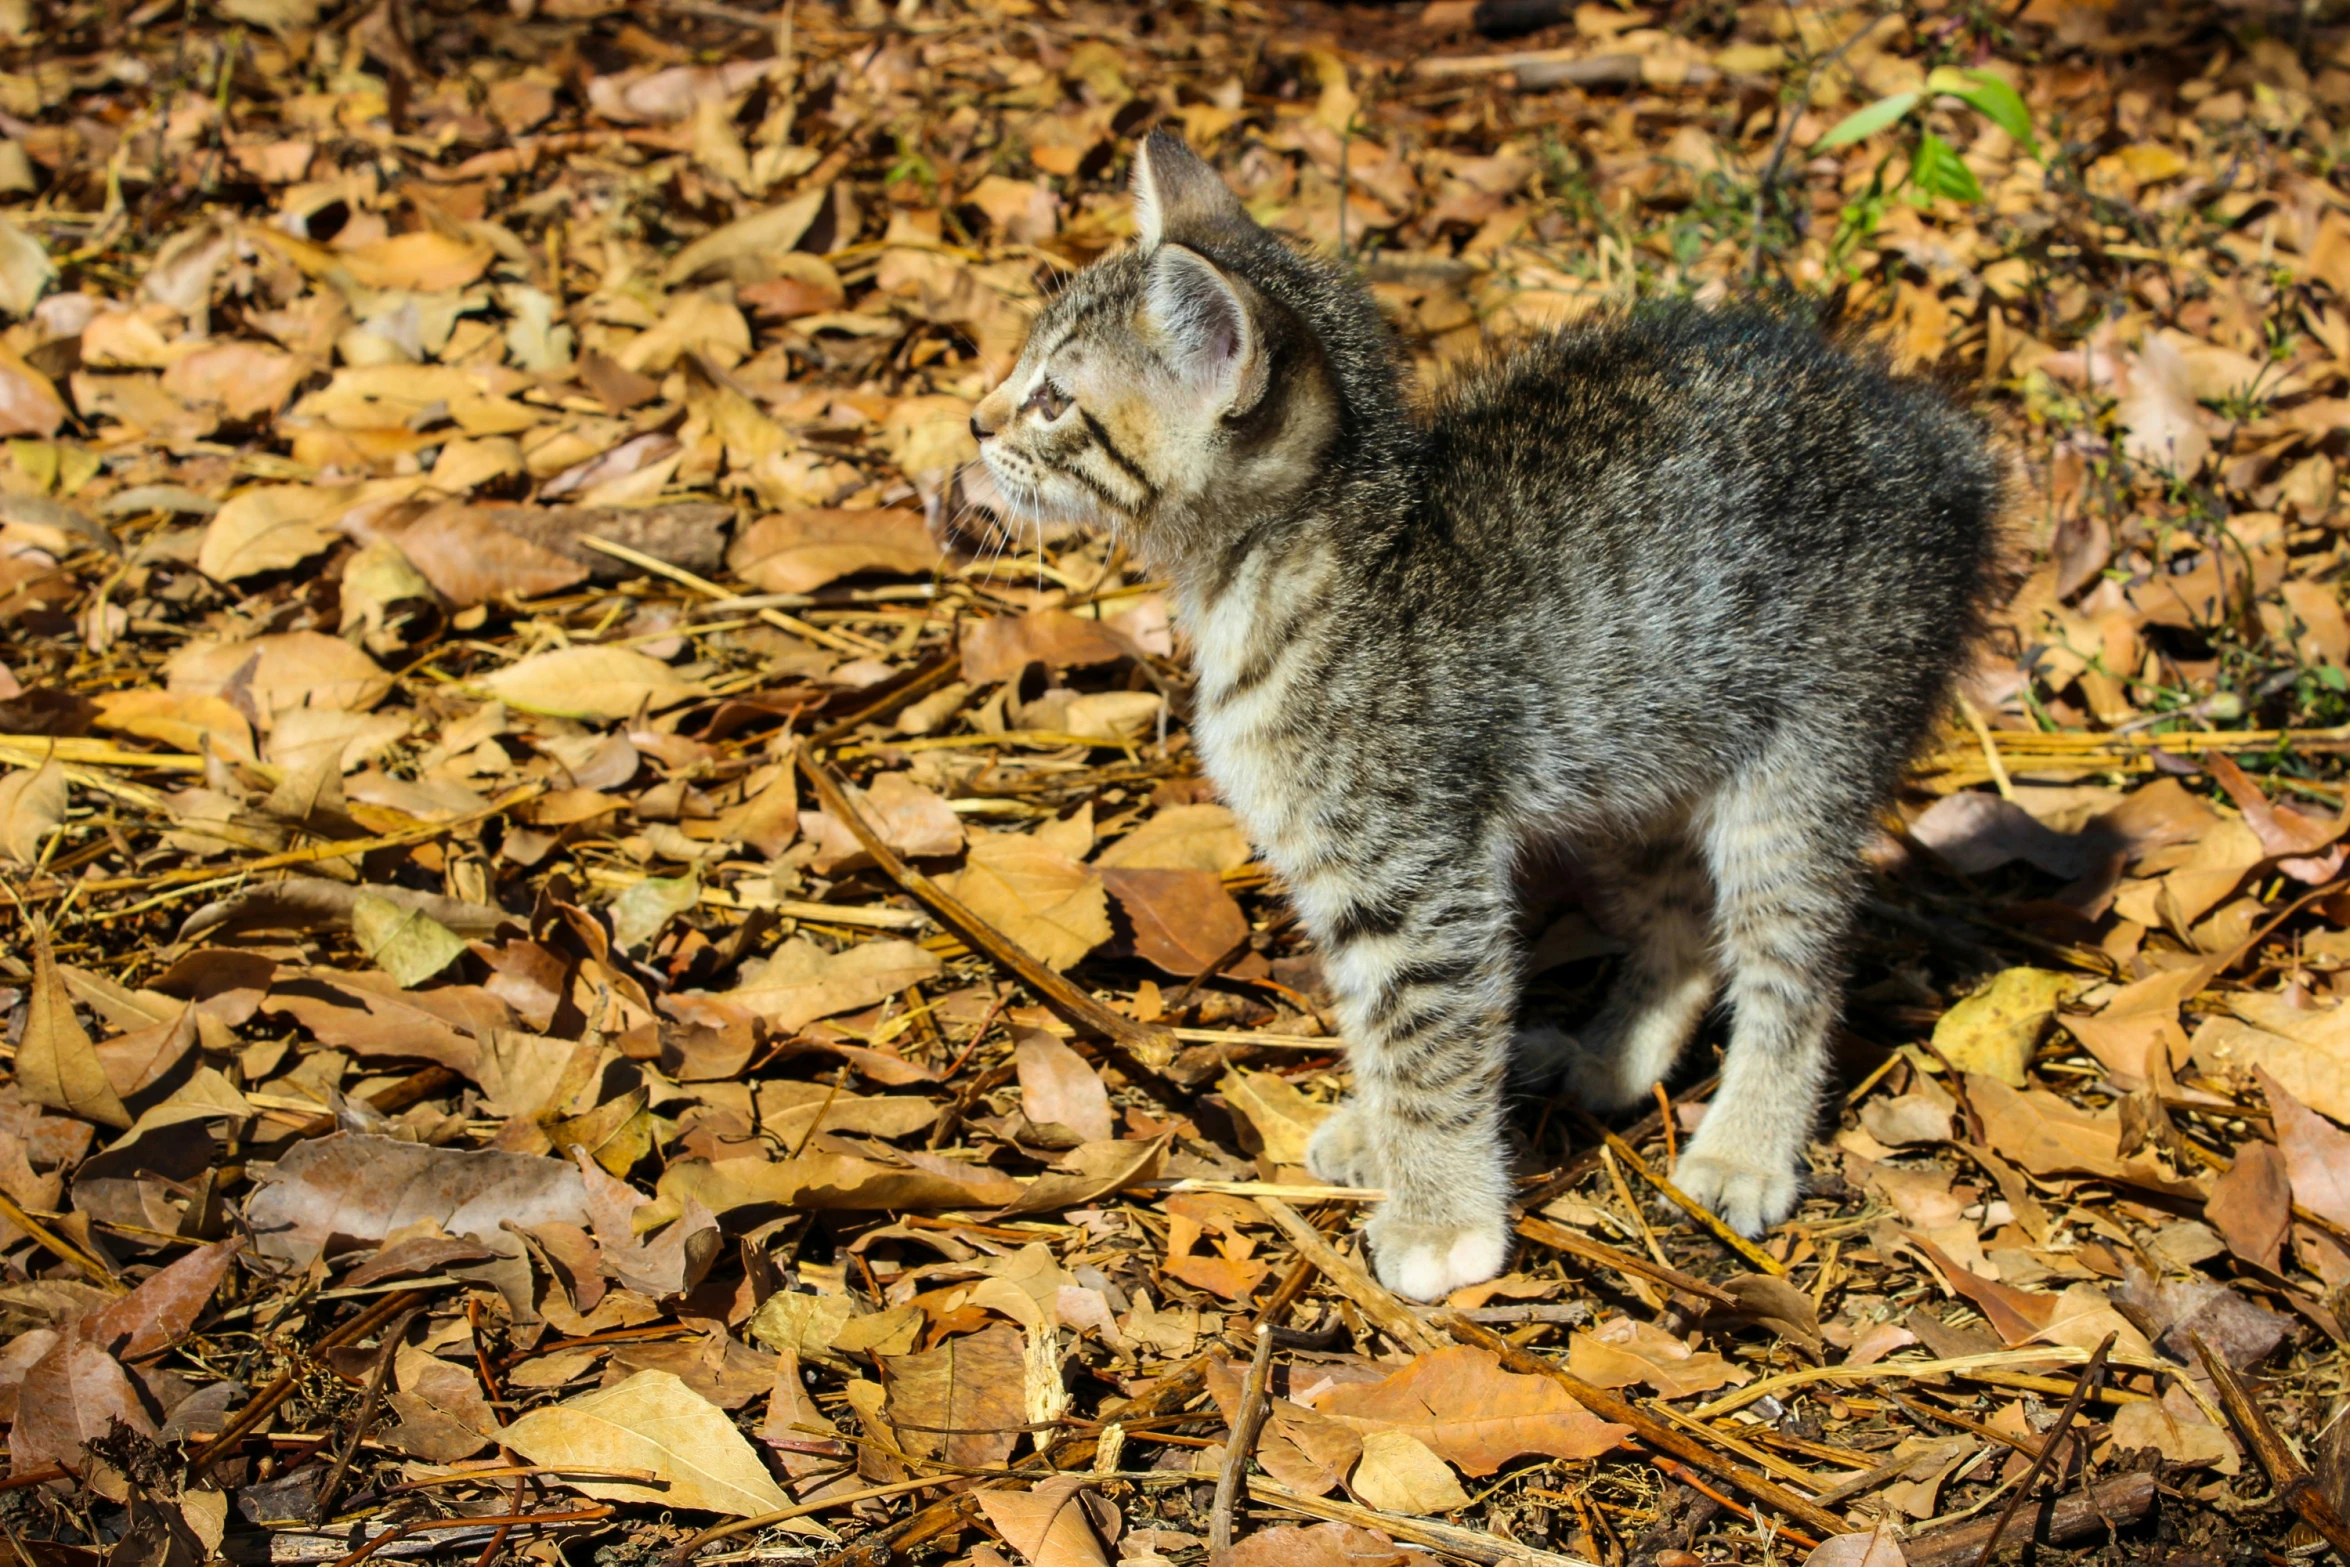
x=1048 y=402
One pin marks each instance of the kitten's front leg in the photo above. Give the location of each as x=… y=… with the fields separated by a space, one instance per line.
x=1425 y=982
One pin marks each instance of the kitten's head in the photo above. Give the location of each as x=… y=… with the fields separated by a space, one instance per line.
x=1190 y=382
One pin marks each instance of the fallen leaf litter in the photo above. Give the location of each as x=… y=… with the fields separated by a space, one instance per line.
x=604 y=961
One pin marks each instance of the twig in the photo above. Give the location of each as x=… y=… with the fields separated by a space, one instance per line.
x=1168 y=1393
x=1285 y=1294
x=2294 y=1485
x=322 y=1507
x=1247 y=1422
x=1080 y=1009
x=389 y=1099
x=349 y=848
x=1559 y=1238
x=2048 y=1446
x=251 y=1417
x=1975 y=1368
x=735 y=1526
x=1547 y=1188
x=1789 y=114
x=1654 y=1433
x=921 y=683
x=577 y=1515
x=2122 y=1500
x=1689 y=1205
x=1690 y=1479
x=1469 y=1545
x=838 y=641
x=43 y=1237
x=1991 y=759
x=1388 y=1314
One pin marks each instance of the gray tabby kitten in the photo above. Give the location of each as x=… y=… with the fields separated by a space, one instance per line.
x=1677 y=594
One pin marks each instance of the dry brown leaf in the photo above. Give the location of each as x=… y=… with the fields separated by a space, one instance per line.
x=425 y=262
x=284 y=670
x=999 y=648
x=2252 y=1204
x=913 y=820
x=1317 y=1545
x=180 y=720
x=590 y=682
x=1058 y=1088
x=72 y=1397
x=1399 y=1474
x=652 y=1421
x=800 y=551
x=802 y=982
x=1053 y=905
x=1181 y=837
x=244 y=380
x=29 y=404
x=1090 y=1172
x=32 y=806
x=56 y=1065
x=469 y=559
x=971 y=1392
x=2048 y=1136
x=1046 y=1525
x=1282 y=1119
x=1624 y=1351
x=165 y=1306
x=332 y=1193
x=2317 y=1153
x=1994 y=1030
x=370 y=1015
x=830 y=1181
x=1470 y=1412
x=2307 y=1049
x=1183 y=920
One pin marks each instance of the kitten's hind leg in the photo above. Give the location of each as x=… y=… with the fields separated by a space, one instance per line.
x=1783 y=842
x=1657 y=898
x=1424 y=971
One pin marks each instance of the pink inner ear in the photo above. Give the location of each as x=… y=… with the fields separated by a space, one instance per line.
x=1198 y=311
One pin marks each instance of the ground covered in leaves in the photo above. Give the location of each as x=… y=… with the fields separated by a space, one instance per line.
x=594 y=951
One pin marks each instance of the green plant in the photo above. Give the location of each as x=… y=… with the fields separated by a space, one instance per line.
x=1935 y=168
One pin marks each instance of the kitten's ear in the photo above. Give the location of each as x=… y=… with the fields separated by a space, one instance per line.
x=1175 y=194
x=1204 y=318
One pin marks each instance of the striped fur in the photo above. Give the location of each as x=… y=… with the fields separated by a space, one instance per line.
x=1676 y=594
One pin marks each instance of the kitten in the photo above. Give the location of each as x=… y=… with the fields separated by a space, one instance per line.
x=1677 y=593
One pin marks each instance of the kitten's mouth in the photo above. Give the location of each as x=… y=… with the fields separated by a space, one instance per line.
x=994 y=512
x=1029 y=497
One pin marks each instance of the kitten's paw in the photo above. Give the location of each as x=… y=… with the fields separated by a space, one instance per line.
x=1748 y=1198
x=1342 y=1151
x=1430 y=1261
x=1591 y=1067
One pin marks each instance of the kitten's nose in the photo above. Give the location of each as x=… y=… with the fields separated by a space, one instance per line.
x=980 y=429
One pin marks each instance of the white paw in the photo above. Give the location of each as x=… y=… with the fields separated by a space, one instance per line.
x=1341 y=1152
x=1747 y=1198
x=1430 y=1261
x=1599 y=1085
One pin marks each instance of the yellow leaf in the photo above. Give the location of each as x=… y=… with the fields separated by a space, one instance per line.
x=652 y=1422
x=1283 y=1119
x=1399 y=1474
x=32 y=803
x=56 y=1065
x=1993 y=1030
x=589 y=682
x=1045 y=901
